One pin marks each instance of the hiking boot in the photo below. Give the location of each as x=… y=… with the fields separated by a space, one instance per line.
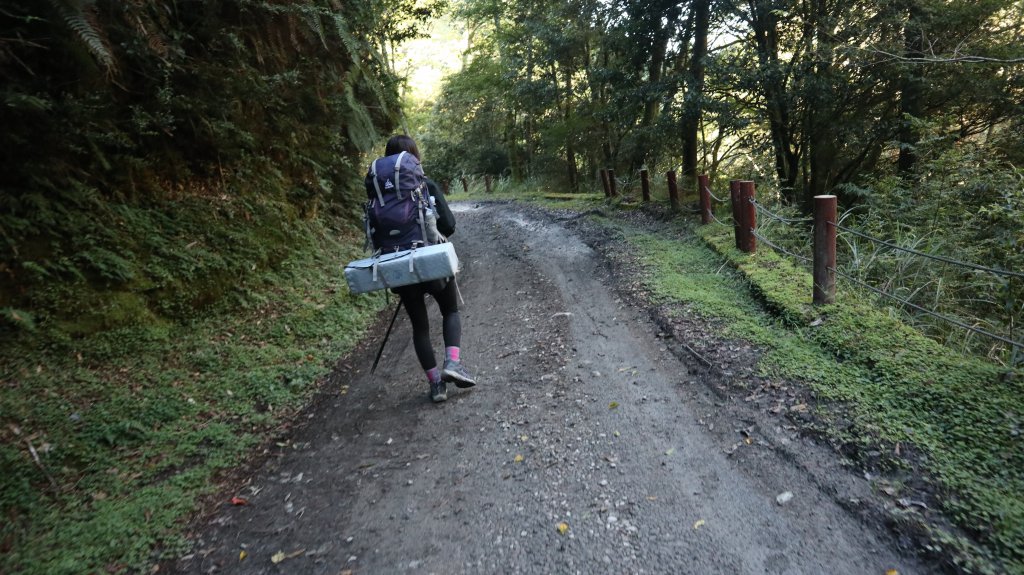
x=438 y=391
x=454 y=372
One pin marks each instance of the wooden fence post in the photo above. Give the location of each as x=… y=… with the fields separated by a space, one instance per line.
x=749 y=216
x=645 y=185
x=604 y=183
x=734 y=201
x=465 y=185
x=824 y=249
x=612 y=184
x=487 y=183
x=705 y=199
x=673 y=190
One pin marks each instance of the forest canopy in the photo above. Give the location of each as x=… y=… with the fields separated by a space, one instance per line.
x=910 y=111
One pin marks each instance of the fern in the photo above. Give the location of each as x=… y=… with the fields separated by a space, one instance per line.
x=80 y=16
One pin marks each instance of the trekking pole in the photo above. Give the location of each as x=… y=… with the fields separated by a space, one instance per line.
x=386 y=335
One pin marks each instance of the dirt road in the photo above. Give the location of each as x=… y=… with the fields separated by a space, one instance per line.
x=583 y=419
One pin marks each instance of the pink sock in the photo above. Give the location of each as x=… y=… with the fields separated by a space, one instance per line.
x=434 y=374
x=452 y=353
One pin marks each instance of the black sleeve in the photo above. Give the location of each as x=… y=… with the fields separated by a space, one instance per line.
x=445 y=218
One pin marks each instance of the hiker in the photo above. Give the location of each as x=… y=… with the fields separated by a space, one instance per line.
x=444 y=292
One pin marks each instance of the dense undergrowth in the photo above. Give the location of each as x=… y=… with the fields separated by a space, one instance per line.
x=110 y=441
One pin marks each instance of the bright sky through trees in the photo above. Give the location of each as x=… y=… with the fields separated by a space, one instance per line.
x=426 y=61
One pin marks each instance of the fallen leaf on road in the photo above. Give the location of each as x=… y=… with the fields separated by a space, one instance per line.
x=239 y=501
x=562 y=527
x=616 y=434
x=280 y=556
x=892 y=572
x=242 y=555
x=518 y=458
x=523 y=438
x=698 y=524
x=670 y=451
x=613 y=405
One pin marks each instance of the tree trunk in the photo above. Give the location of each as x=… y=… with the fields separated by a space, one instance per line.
x=821 y=134
x=693 y=108
x=764 y=25
x=570 y=136
x=910 y=90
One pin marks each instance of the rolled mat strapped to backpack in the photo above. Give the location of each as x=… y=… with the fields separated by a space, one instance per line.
x=401 y=268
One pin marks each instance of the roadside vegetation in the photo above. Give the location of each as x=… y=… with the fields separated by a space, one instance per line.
x=110 y=442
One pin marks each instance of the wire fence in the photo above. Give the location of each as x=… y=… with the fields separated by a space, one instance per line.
x=772 y=217
x=713 y=196
x=760 y=207
x=781 y=249
x=944 y=259
x=925 y=310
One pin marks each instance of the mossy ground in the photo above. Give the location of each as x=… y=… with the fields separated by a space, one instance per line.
x=132 y=426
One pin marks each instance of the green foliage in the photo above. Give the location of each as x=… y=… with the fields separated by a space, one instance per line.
x=144 y=142
x=133 y=424
x=968 y=206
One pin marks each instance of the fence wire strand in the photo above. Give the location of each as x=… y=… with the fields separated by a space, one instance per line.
x=712 y=214
x=779 y=248
x=775 y=216
x=713 y=196
x=930 y=312
x=929 y=256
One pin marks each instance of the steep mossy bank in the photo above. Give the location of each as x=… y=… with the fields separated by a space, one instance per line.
x=119 y=412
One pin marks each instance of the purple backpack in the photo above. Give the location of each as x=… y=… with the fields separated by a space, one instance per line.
x=397 y=191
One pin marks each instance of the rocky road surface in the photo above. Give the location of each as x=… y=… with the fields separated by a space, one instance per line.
x=590 y=445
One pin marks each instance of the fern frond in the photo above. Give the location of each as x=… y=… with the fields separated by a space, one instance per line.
x=80 y=16
x=315 y=24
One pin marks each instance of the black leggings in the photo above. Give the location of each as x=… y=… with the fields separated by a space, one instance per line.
x=445 y=293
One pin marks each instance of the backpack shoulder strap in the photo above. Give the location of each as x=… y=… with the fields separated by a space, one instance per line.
x=398 y=166
x=376 y=184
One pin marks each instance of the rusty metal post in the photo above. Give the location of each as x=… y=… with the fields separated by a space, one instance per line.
x=612 y=184
x=749 y=216
x=465 y=185
x=645 y=185
x=673 y=190
x=705 y=198
x=604 y=183
x=824 y=249
x=487 y=183
x=734 y=201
